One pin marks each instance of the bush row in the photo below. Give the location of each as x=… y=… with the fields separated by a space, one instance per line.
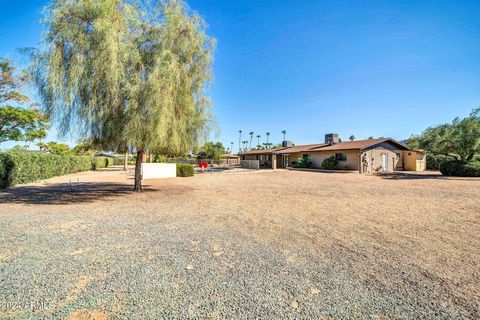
x=460 y=169
x=19 y=167
x=434 y=161
x=184 y=170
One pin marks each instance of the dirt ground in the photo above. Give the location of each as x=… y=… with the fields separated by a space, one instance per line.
x=283 y=244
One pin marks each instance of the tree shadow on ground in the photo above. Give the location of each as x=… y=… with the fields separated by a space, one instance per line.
x=420 y=176
x=66 y=193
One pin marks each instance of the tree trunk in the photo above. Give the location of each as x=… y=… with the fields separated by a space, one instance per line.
x=125 y=163
x=138 y=171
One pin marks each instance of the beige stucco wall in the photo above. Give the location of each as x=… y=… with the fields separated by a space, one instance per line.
x=250 y=157
x=368 y=161
x=372 y=160
x=317 y=158
x=351 y=163
x=415 y=161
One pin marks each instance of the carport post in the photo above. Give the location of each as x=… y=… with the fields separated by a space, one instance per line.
x=274 y=161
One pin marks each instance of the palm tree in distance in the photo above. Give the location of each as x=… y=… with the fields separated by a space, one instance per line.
x=251 y=137
x=352 y=137
x=284 y=132
x=231 y=147
x=239 y=141
x=245 y=142
x=258 y=142
x=268 y=135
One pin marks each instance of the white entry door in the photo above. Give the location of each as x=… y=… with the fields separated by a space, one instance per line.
x=385 y=161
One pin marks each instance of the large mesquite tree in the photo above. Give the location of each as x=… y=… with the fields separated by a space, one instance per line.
x=126 y=73
x=459 y=139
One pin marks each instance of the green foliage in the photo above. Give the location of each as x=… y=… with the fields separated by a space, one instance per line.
x=302 y=163
x=351 y=138
x=20 y=124
x=120 y=161
x=84 y=148
x=166 y=159
x=460 y=168
x=61 y=149
x=126 y=74
x=22 y=167
x=434 y=161
x=17 y=122
x=329 y=163
x=414 y=142
x=18 y=147
x=459 y=139
x=102 y=162
x=184 y=170
x=211 y=150
x=6 y=168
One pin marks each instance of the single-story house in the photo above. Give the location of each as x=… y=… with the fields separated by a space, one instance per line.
x=372 y=155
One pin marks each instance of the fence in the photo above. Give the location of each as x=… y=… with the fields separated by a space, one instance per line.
x=223 y=163
x=211 y=162
x=250 y=164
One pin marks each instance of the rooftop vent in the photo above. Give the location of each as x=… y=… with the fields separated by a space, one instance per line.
x=332 y=138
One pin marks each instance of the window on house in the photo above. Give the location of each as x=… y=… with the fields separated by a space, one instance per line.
x=306 y=157
x=398 y=155
x=340 y=156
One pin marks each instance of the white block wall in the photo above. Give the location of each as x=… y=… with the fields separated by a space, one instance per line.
x=159 y=170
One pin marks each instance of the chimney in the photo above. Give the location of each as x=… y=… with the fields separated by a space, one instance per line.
x=332 y=138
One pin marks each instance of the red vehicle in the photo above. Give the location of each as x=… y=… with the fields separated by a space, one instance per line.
x=203 y=165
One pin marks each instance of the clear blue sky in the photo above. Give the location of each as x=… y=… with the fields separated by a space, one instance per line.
x=378 y=68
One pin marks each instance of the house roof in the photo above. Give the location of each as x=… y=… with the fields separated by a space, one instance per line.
x=358 y=145
x=229 y=155
x=301 y=148
x=261 y=151
x=347 y=145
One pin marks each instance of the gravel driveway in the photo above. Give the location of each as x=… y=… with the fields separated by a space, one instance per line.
x=282 y=244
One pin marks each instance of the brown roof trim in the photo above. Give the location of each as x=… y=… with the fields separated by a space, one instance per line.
x=358 y=145
x=342 y=146
x=393 y=141
x=300 y=148
x=260 y=151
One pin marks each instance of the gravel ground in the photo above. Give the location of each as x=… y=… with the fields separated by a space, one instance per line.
x=282 y=244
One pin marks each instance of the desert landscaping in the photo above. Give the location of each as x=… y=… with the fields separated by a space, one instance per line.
x=267 y=244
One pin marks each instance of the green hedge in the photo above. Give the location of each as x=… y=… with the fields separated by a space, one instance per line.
x=460 y=169
x=329 y=163
x=184 y=170
x=19 y=167
x=434 y=161
x=102 y=162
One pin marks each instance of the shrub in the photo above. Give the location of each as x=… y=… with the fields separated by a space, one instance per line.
x=184 y=170
x=118 y=161
x=329 y=163
x=302 y=163
x=101 y=162
x=434 y=161
x=460 y=169
x=19 y=167
x=6 y=168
